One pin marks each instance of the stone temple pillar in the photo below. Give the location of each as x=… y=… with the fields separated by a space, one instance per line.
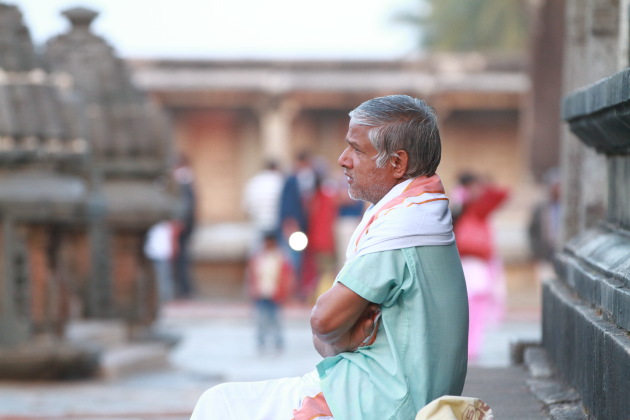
x=82 y=153
x=586 y=311
x=131 y=151
x=591 y=53
x=15 y=320
x=275 y=121
x=43 y=210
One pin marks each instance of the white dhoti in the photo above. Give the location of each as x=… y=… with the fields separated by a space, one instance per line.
x=298 y=398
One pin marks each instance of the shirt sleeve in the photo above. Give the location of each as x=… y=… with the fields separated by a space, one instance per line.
x=376 y=277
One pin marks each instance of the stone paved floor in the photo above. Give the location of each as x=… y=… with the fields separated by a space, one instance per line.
x=217 y=344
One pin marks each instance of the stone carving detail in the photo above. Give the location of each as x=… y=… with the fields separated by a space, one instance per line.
x=34 y=118
x=126 y=130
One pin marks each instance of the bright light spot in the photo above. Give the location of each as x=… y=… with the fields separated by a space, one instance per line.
x=298 y=241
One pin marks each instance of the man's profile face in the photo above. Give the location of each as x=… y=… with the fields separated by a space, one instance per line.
x=365 y=181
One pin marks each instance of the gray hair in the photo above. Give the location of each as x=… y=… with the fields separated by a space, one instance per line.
x=402 y=122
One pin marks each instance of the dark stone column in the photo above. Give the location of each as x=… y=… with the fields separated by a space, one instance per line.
x=586 y=311
x=15 y=318
x=100 y=290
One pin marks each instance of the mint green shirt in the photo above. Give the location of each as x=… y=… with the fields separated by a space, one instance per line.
x=420 y=352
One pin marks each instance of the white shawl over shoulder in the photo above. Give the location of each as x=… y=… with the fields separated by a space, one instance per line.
x=413 y=213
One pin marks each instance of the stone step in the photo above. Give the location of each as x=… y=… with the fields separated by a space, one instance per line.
x=47 y=359
x=122 y=352
x=133 y=358
x=97 y=333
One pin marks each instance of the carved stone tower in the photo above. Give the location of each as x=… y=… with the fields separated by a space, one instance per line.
x=84 y=161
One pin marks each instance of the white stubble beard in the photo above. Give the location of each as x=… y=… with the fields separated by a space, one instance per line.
x=373 y=192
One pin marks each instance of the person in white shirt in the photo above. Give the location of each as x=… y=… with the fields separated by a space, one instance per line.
x=158 y=247
x=261 y=198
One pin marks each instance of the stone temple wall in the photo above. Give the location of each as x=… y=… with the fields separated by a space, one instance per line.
x=586 y=310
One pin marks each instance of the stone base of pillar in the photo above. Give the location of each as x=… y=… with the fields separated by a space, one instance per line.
x=52 y=360
x=588 y=351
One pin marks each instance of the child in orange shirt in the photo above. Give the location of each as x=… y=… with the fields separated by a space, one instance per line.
x=269 y=280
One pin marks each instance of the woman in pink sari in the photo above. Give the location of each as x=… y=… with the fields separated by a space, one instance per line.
x=482 y=266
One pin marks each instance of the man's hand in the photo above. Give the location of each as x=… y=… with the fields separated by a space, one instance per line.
x=366 y=326
x=341 y=321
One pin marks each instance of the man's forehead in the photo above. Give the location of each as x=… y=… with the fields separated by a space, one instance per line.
x=355 y=129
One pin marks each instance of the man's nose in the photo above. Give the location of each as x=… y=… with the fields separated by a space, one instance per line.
x=343 y=158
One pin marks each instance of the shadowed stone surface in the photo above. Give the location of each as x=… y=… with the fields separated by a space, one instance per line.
x=586 y=315
x=52 y=360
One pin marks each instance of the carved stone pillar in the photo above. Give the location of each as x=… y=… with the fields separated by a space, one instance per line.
x=276 y=119
x=65 y=206
x=595 y=48
x=131 y=149
x=586 y=316
x=15 y=316
x=42 y=158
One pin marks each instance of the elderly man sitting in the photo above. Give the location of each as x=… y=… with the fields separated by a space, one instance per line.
x=393 y=327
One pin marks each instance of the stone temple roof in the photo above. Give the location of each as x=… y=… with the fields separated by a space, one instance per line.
x=128 y=133
x=470 y=71
x=35 y=118
x=171 y=80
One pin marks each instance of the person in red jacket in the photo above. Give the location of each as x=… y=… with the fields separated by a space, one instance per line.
x=321 y=237
x=476 y=201
x=269 y=280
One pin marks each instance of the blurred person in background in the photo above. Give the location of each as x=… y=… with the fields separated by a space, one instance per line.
x=474 y=201
x=295 y=200
x=269 y=281
x=159 y=247
x=321 y=236
x=184 y=227
x=261 y=200
x=544 y=226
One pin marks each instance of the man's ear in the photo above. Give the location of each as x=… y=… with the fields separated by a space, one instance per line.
x=400 y=162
